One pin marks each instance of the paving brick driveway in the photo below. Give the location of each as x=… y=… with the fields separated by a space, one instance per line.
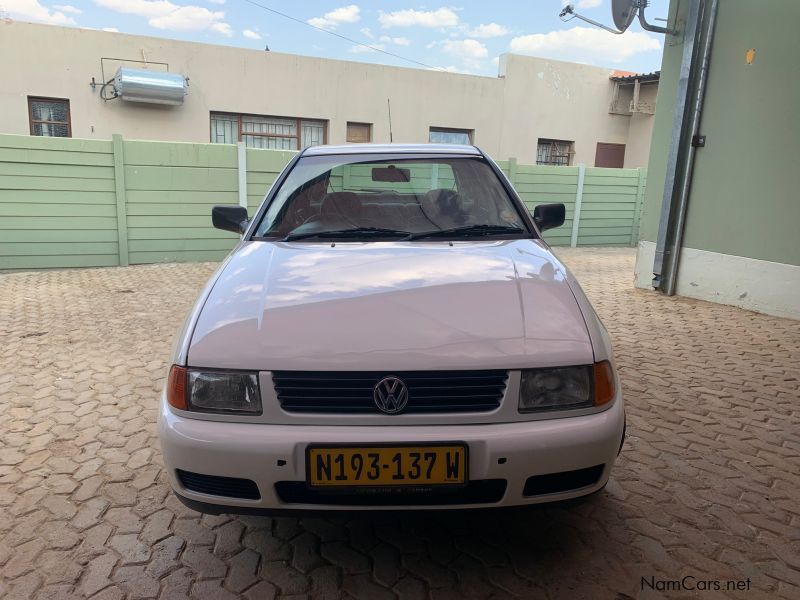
x=707 y=486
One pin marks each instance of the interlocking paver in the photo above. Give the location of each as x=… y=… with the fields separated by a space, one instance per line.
x=708 y=483
x=243 y=571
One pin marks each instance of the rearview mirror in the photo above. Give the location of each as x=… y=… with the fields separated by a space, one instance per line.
x=391 y=174
x=549 y=216
x=230 y=218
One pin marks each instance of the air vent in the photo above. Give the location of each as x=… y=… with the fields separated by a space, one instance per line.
x=564 y=481
x=214 y=485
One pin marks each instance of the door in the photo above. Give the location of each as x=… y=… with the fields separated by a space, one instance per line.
x=610 y=155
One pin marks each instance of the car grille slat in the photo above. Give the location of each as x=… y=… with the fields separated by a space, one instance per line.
x=351 y=392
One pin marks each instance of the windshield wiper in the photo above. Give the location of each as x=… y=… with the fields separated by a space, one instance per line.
x=347 y=233
x=467 y=230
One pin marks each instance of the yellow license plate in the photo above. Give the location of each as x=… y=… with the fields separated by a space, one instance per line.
x=370 y=466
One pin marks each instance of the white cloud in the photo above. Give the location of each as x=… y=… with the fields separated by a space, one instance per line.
x=397 y=41
x=163 y=14
x=589 y=3
x=189 y=18
x=585 y=44
x=68 y=8
x=441 y=17
x=251 y=35
x=142 y=8
x=110 y=29
x=31 y=10
x=366 y=49
x=488 y=30
x=471 y=52
x=344 y=14
x=366 y=31
x=217 y=1
x=222 y=28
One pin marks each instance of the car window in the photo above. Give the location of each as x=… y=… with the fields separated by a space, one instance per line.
x=415 y=195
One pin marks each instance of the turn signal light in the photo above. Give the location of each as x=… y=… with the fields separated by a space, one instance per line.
x=176 y=387
x=604 y=388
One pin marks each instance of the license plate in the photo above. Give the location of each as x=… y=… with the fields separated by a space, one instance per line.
x=370 y=466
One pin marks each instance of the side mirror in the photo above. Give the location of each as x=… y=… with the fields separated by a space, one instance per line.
x=549 y=216
x=230 y=218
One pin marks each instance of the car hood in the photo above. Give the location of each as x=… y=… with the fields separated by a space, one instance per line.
x=390 y=306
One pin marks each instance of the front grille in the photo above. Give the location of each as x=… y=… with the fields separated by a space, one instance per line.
x=482 y=491
x=230 y=487
x=352 y=392
x=563 y=481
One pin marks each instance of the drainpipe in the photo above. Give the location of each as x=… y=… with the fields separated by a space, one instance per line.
x=673 y=258
x=690 y=33
x=682 y=153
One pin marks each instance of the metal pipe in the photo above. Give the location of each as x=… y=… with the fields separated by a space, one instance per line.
x=569 y=10
x=650 y=27
x=673 y=258
x=690 y=35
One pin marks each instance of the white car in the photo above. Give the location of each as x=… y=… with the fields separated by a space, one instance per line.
x=391 y=332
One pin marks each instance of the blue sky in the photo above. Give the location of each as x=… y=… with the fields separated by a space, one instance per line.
x=465 y=37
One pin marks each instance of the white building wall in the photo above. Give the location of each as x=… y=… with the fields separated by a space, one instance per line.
x=533 y=98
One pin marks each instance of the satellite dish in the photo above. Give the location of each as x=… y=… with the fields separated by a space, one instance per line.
x=623 y=12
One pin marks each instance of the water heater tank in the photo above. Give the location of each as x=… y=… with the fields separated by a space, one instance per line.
x=154 y=87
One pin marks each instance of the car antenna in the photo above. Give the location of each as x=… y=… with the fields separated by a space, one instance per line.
x=389 y=104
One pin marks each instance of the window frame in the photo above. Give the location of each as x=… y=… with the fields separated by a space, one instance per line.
x=298 y=127
x=553 y=142
x=362 y=123
x=470 y=133
x=608 y=146
x=32 y=121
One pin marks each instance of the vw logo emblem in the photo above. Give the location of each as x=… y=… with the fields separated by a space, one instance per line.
x=390 y=395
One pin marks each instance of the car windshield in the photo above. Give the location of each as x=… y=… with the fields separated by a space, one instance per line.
x=391 y=197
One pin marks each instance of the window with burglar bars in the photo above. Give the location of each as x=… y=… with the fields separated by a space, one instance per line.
x=276 y=133
x=49 y=117
x=554 y=152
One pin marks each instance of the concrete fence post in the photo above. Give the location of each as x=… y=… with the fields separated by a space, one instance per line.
x=512 y=170
x=119 y=192
x=241 y=163
x=637 y=210
x=347 y=174
x=576 y=219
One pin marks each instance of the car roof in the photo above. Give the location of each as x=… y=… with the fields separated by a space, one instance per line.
x=458 y=149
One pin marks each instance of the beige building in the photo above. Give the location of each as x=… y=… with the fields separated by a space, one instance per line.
x=536 y=110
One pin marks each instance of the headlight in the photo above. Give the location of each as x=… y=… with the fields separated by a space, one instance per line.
x=566 y=387
x=214 y=391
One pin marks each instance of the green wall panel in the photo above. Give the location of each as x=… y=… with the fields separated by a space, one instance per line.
x=57 y=261
x=743 y=198
x=180 y=178
x=178 y=154
x=60 y=199
x=32 y=197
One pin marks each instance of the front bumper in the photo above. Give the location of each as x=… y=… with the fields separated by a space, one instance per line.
x=273 y=456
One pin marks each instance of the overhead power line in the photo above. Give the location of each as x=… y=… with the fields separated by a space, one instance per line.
x=343 y=37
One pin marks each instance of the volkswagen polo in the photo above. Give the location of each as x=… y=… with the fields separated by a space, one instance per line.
x=391 y=332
